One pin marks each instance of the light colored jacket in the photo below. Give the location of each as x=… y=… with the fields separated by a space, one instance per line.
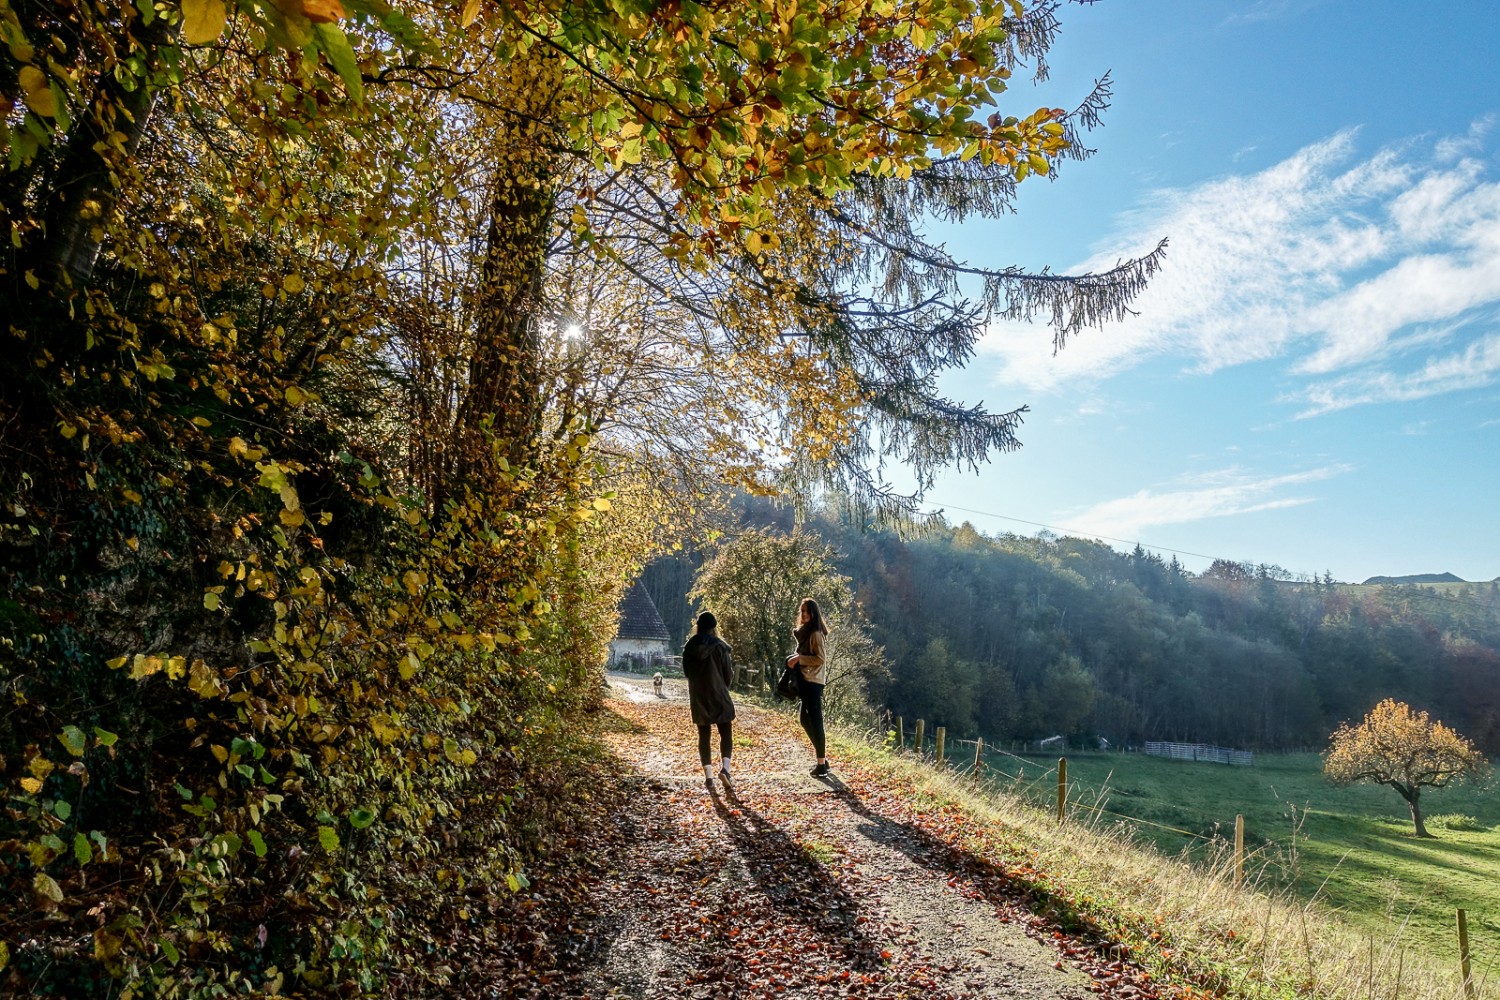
x=811 y=660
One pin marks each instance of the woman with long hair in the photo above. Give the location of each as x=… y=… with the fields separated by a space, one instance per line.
x=812 y=675
x=709 y=667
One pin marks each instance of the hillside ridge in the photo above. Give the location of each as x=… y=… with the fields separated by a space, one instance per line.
x=1415 y=578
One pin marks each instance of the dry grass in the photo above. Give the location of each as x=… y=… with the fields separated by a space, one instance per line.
x=1184 y=920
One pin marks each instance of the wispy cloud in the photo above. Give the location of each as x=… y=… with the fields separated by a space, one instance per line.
x=1225 y=493
x=1372 y=278
x=1476 y=366
x=1267 y=10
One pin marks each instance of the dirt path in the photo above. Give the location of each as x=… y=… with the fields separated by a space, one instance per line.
x=780 y=884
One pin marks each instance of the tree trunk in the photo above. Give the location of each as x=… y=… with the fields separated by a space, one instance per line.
x=503 y=399
x=1412 y=794
x=85 y=191
x=1416 y=817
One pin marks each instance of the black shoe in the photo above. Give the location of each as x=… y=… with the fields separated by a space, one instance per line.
x=819 y=771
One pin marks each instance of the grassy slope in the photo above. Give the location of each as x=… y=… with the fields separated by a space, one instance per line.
x=1349 y=848
x=1182 y=921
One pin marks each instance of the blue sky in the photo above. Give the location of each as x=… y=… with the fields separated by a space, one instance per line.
x=1314 y=378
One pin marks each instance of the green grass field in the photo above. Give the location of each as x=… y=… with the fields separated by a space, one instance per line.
x=1350 y=848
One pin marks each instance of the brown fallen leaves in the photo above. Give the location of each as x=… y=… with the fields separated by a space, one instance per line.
x=665 y=888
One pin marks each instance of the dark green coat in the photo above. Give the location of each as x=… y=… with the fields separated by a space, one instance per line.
x=709 y=667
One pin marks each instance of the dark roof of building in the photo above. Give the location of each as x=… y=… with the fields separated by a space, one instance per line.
x=639 y=618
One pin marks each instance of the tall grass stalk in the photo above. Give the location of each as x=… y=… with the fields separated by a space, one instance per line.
x=1180 y=916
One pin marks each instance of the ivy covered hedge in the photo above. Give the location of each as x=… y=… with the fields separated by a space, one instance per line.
x=258 y=702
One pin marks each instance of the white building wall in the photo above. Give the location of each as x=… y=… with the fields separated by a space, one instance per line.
x=640 y=647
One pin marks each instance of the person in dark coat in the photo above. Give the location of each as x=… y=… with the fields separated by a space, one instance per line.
x=709 y=667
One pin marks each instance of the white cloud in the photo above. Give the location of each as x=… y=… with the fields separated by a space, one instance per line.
x=1225 y=493
x=1345 y=269
x=1476 y=366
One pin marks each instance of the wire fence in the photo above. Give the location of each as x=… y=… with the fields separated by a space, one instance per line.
x=1074 y=805
x=1085 y=801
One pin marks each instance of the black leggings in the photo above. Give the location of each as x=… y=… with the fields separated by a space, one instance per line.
x=726 y=741
x=811 y=715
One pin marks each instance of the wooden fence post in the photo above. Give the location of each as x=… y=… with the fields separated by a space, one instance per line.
x=1062 y=786
x=921 y=736
x=1239 y=851
x=978 y=756
x=942 y=733
x=1463 y=954
x=900 y=733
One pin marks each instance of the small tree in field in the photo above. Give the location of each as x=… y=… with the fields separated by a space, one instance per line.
x=754 y=584
x=1404 y=749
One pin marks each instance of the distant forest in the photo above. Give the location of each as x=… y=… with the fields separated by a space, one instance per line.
x=1017 y=638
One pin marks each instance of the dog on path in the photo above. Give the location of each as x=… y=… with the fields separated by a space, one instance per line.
x=656 y=683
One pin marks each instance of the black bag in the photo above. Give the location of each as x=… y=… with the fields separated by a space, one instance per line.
x=786 y=688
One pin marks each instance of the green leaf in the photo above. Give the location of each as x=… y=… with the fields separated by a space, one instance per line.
x=170 y=950
x=73 y=740
x=361 y=818
x=335 y=46
x=328 y=838
x=257 y=842
x=82 y=850
x=63 y=809
x=105 y=738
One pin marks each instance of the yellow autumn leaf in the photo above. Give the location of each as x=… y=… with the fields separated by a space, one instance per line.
x=31 y=785
x=293 y=284
x=47 y=887
x=323 y=12
x=37 y=92
x=202 y=21
x=470 y=14
x=144 y=666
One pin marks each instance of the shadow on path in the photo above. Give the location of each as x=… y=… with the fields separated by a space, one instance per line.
x=813 y=906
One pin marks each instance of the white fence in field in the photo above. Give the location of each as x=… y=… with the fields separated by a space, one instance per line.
x=1198 y=751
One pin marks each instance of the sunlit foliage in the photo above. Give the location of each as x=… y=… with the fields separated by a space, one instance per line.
x=316 y=509
x=1405 y=750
